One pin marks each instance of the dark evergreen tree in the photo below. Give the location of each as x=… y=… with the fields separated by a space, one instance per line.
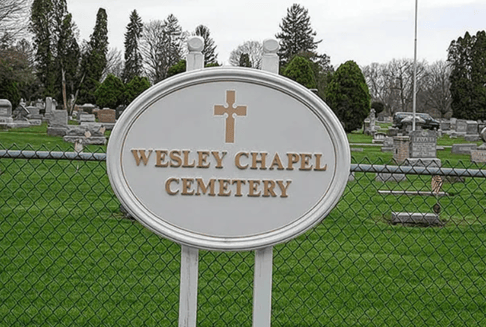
x=245 y=60
x=8 y=83
x=378 y=106
x=110 y=93
x=300 y=70
x=209 y=47
x=478 y=77
x=135 y=87
x=94 y=59
x=297 y=35
x=348 y=96
x=57 y=51
x=42 y=29
x=467 y=57
x=133 y=58
x=67 y=59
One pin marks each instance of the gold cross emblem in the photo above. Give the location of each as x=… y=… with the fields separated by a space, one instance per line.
x=220 y=110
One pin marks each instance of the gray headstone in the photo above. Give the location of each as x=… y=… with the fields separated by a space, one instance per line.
x=387 y=144
x=33 y=110
x=86 y=118
x=463 y=148
x=5 y=108
x=21 y=112
x=367 y=127
x=58 y=118
x=453 y=123
x=471 y=127
x=479 y=155
x=423 y=144
x=461 y=126
x=445 y=125
x=39 y=104
x=49 y=105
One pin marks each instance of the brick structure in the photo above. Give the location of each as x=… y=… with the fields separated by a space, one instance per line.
x=401 y=145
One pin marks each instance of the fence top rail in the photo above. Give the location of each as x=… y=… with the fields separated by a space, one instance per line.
x=357 y=168
x=56 y=155
x=415 y=170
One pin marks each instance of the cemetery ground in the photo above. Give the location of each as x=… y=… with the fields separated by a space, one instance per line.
x=69 y=257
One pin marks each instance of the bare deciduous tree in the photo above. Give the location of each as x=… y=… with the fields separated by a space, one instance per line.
x=436 y=94
x=162 y=46
x=254 y=49
x=392 y=83
x=114 y=63
x=14 y=16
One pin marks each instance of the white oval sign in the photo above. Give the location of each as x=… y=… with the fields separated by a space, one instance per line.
x=228 y=159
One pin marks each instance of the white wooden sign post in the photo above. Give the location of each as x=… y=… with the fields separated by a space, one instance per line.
x=228 y=159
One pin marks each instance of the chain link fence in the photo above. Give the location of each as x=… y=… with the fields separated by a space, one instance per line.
x=69 y=256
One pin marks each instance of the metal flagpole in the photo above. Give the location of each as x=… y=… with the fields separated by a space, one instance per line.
x=414 y=95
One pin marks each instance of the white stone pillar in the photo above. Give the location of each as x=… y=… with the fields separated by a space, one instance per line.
x=270 y=60
x=195 y=58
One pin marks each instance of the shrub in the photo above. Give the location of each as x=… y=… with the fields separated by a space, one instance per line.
x=348 y=96
x=300 y=70
x=136 y=87
x=110 y=93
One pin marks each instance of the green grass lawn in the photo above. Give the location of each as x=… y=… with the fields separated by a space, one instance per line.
x=68 y=257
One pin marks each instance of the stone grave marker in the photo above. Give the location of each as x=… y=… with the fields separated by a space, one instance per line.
x=84 y=135
x=5 y=108
x=49 y=105
x=107 y=118
x=453 y=123
x=86 y=118
x=472 y=134
x=461 y=127
x=479 y=155
x=40 y=104
x=58 y=123
x=387 y=144
x=378 y=137
x=423 y=153
x=463 y=148
x=445 y=125
x=5 y=113
x=34 y=112
x=423 y=144
x=35 y=118
x=106 y=115
x=367 y=127
x=20 y=113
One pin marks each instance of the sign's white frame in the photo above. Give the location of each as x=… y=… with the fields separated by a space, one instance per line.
x=157 y=224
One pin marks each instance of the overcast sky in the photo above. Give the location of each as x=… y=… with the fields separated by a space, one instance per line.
x=363 y=31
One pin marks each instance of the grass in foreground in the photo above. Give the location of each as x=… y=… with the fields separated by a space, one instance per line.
x=69 y=258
